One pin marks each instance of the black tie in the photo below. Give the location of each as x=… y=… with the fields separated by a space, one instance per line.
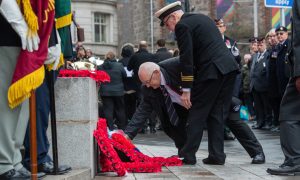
x=170 y=108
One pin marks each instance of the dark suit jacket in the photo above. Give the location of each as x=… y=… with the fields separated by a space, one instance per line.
x=162 y=54
x=259 y=73
x=282 y=66
x=136 y=60
x=153 y=100
x=296 y=39
x=203 y=53
x=289 y=109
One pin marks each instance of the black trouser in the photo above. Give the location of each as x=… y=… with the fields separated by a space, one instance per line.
x=244 y=135
x=114 y=105
x=275 y=105
x=289 y=139
x=130 y=104
x=210 y=102
x=262 y=107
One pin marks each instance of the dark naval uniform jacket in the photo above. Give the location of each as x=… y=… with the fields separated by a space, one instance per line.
x=289 y=109
x=282 y=66
x=153 y=100
x=203 y=54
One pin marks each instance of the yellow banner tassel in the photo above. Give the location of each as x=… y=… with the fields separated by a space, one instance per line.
x=21 y=89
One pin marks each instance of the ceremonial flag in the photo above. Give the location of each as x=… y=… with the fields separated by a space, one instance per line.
x=29 y=72
x=63 y=17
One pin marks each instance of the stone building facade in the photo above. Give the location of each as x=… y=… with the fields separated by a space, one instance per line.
x=100 y=22
x=131 y=21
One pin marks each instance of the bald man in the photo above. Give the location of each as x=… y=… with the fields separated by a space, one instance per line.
x=161 y=82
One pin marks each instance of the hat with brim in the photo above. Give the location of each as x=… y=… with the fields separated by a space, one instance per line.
x=281 y=28
x=167 y=10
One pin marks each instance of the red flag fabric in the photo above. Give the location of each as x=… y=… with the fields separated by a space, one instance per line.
x=29 y=72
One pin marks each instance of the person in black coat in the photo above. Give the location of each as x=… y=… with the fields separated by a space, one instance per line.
x=162 y=52
x=282 y=67
x=130 y=96
x=289 y=110
x=112 y=93
x=154 y=76
x=208 y=72
x=259 y=86
x=273 y=93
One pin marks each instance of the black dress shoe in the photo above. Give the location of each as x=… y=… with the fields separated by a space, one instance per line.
x=22 y=173
x=259 y=159
x=257 y=126
x=212 y=161
x=266 y=127
x=48 y=168
x=285 y=170
x=152 y=130
x=8 y=174
x=189 y=162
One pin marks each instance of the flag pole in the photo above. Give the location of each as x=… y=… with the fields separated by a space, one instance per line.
x=33 y=143
x=53 y=122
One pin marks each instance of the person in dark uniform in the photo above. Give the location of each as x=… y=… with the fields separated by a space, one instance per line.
x=259 y=86
x=289 y=110
x=282 y=67
x=153 y=77
x=208 y=72
x=162 y=52
x=273 y=92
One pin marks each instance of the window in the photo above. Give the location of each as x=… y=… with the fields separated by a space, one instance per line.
x=101 y=27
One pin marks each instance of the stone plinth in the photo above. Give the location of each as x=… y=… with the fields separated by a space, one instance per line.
x=76 y=114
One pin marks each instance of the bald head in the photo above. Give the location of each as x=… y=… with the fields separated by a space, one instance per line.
x=149 y=74
x=143 y=45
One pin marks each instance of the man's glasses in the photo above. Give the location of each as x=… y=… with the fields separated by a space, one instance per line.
x=280 y=33
x=149 y=81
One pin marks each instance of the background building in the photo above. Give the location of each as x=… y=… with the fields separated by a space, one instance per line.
x=108 y=24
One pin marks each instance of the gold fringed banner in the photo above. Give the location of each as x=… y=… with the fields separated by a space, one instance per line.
x=20 y=90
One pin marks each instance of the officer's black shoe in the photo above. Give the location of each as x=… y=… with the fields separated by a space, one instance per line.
x=152 y=130
x=285 y=170
x=22 y=173
x=48 y=168
x=257 y=126
x=212 y=161
x=266 y=127
x=8 y=174
x=228 y=136
x=186 y=161
x=275 y=129
x=259 y=158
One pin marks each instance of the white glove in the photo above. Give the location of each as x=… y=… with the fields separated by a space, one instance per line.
x=235 y=51
x=54 y=53
x=11 y=11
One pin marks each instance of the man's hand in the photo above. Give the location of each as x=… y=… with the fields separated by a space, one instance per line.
x=298 y=83
x=11 y=11
x=186 y=99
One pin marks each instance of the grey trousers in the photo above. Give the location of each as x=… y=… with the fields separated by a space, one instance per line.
x=13 y=122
